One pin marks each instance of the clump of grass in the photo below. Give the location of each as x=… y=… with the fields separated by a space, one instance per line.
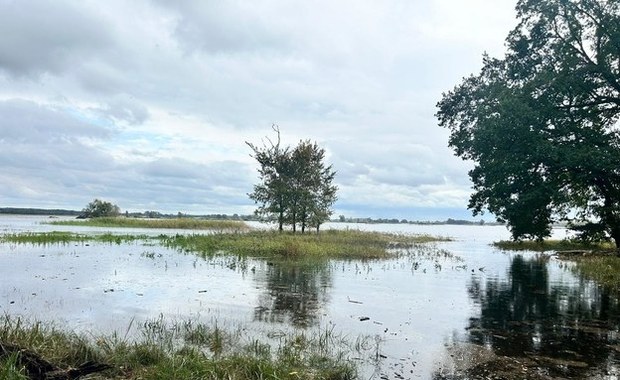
x=549 y=245
x=176 y=351
x=597 y=261
x=10 y=369
x=172 y=223
x=60 y=237
x=604 y=269
x=328 y=244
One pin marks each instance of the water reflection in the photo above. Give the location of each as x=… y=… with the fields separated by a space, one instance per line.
x=568 y=328
x=292 y=293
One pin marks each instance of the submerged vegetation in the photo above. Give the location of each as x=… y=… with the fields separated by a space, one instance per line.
x=329 y=244
x=184 y=350
x=596 y=261
x=61 y=237
x=174 y=223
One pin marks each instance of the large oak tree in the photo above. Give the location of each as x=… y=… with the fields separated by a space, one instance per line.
x=541 y=124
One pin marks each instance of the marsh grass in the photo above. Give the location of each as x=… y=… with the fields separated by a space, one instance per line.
x=173 y=223
x=60 y=237
x=182 y=350
x=549 y=245
x=340 y=244
x=10 y=369
x=596 y=261
x=604 y=269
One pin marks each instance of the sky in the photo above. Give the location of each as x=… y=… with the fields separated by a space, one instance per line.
x=148 y=103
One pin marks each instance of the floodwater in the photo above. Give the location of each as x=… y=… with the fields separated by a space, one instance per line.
x=429 y=312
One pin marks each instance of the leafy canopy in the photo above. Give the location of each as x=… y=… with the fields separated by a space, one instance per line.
x=541 y=124
x=99 y=208
x=296 y=187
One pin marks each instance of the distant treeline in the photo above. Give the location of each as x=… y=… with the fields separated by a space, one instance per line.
x=37 y=211
x=343 y=219
x=159 y=215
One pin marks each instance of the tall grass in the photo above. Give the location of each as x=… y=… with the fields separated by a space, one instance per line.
x=604 y=269
x=549 y=245
x=182 y=351
x=343 y=244
x=60 y=237
x=597 y=261
x=328 y=244
x=173 y=223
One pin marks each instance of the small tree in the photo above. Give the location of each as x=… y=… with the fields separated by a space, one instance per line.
x=274 y=171
x=99 y=208
x=296 y=187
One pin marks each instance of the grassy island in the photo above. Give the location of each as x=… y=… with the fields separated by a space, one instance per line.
x=328 y=244
x=171 y=223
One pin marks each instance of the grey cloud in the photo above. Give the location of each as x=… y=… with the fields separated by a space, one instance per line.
x=47 y=37
x=225 y=27
x=23 y=120
x=124 y=109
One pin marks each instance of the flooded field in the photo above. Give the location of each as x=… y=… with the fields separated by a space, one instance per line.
x=432 y=313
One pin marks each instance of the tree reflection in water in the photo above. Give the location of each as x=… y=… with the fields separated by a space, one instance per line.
x=571 y=326
x=294 y=293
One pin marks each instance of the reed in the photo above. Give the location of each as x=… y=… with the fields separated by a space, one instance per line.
x=177 y=351
x=343 y=244
x=549 y=245
x=172 y=223
x=60 y=237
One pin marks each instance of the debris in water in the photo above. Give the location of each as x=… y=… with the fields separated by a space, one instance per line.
x=354 y=301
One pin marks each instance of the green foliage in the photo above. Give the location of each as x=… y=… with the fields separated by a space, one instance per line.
x=99 y=208
x=296 y=187
x=541 y=123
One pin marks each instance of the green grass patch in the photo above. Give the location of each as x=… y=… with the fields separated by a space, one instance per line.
x=596 y=261
x=173 y=223
x=177 y=351
x=60 y=237
x=549 y=245
x=340 y=244
x=604 y=269
x=327 y=244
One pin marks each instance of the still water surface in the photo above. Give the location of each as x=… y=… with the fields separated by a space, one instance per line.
x=418 y=307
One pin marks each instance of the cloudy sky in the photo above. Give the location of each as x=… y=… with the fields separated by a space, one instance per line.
x=148 y=103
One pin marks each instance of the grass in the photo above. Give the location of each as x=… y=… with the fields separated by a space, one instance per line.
x=550 y=245
x=596 y=261
x=173 y=223
x=604 y=269
x=341 y=244
x=328 y=244
x=59 y=237
x=183 y=350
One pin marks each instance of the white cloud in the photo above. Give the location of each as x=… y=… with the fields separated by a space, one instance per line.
x=150 y=102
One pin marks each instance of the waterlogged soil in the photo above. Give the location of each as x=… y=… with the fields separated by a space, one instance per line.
x=454 y=310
